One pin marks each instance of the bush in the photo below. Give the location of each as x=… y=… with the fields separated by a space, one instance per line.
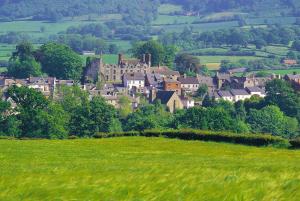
x=246 y=139
x=295 y=143
x=116 y=134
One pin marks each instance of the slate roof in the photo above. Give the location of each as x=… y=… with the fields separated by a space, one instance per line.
x=163 y=70
x=239 y=92
x=164 y=96
x=209 y=81
x=134 y=76
x=224 y=94
x=293 y=76
x=255 y=89
x=188 y=80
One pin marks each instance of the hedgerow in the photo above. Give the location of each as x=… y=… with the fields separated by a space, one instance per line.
x=246 y=139
x=295 y=143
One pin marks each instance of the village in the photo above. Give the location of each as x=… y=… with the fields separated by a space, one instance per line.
x=138 y=79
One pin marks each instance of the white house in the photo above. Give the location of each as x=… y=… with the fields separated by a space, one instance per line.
x=189 y=84
x=225 y=95
x=240 y=94
x=134 y=80
x=256 y=91
x=187 y=102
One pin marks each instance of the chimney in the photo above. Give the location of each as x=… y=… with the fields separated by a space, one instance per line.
x=148 y=59
x=152 y=95
x=120 y=59
x=144 y=58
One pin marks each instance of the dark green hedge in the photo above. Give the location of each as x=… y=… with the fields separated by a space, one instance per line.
x=246 y=139
x=295 y=143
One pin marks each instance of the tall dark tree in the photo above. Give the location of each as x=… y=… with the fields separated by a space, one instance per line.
x=60 y=61
x=22 y=64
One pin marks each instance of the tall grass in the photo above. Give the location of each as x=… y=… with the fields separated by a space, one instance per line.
x=145 y=169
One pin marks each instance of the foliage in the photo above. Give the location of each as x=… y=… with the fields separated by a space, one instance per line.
x=189 y=134
x=280 y=93
x=187 y=63
x=202 y=90
x=159 y=54
x=60 y=61
x=22 y=64
x=148 y=117
x=134 y=12
x=271 y=120
x=295 y=143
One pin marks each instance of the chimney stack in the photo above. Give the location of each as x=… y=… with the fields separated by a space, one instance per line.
x=120 y=59
x=144 y=58
x=148 y=59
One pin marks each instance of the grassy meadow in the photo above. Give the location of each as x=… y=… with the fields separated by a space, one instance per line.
x=140 y=168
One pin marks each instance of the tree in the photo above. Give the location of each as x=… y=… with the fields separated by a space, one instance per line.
x=30 y=106
x=202 y=90
x=125 y=107
x=187 y=63
x=159 y=53
x=296 y=45
x=259 y=43
x=9 y=125
x=280 y=93
x=92 y=117
x=271 y=120
x=148 y=116
x=22 y=64
x=60 y=61
x=240 y=111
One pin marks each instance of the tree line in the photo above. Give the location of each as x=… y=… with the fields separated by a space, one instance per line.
x=70 y=112
x=133 y=12
x=188 y=39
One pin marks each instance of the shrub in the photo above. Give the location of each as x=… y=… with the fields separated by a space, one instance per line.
x=295 y=143
x=116 y=134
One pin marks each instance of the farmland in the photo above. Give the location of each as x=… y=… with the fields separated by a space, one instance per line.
x=145 y=169
x=167 y=20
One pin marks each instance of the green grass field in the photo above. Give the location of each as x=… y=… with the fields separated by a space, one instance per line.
x=277 y=72
x=214 y=62
x=146 y=169
x=168 y=9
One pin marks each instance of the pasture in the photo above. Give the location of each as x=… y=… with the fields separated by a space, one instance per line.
x=140 y=168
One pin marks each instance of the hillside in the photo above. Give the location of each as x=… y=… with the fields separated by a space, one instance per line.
x=57 y=9
x=143 y=9
x=145 y=169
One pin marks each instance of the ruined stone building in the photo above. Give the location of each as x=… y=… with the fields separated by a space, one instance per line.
x=96 y=70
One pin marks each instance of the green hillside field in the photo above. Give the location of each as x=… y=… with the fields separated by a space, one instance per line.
x=140 y=168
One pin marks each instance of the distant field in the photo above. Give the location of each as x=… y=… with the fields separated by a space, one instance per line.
x=108 y=58
x=146 y=169
x=168 y=8
x=5 y=51
x=215 y=61
x=167 y=19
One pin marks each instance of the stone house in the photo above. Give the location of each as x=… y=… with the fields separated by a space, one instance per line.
x=168 y=98
x=134 y=80
x=172 y=85
x=189 y=84
x=96 y=70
